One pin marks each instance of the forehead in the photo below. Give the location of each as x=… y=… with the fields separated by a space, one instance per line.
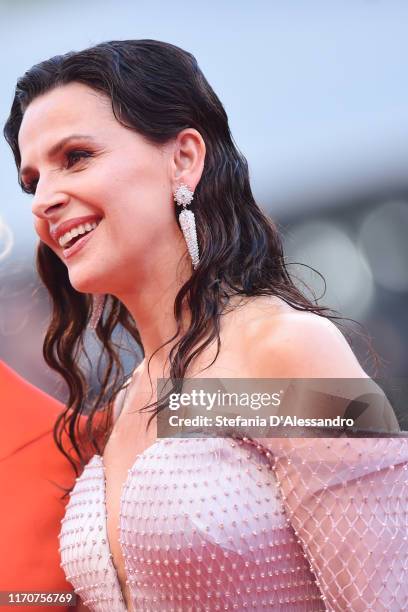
x=71 y=107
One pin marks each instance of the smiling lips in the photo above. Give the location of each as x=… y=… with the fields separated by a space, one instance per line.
x=78 y=244
x=64 y=228
x=70 y=237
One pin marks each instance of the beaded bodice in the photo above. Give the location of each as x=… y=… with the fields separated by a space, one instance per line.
x=211 y=524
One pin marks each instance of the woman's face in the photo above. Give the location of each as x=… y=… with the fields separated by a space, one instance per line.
x=104 y=171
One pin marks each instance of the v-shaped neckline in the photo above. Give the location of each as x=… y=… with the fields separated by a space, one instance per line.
x=124 y=488
x=119 y=527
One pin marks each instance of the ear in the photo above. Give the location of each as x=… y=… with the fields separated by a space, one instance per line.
x=187 y=158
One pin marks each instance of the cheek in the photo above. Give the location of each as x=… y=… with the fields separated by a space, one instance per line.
x=41 y=229
x=138 y=202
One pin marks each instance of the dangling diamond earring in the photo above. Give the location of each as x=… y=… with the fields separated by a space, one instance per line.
x=183 y=196
x=97 y=309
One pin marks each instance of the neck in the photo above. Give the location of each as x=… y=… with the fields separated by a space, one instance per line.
x=150 y=299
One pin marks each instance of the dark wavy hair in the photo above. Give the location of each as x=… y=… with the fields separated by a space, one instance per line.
x=157 y=89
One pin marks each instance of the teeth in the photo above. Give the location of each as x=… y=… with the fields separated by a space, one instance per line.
x=76 y=231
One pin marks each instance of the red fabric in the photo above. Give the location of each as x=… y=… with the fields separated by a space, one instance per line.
x=31 y=467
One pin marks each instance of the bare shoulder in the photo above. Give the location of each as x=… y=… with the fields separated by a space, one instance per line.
x=295 y=344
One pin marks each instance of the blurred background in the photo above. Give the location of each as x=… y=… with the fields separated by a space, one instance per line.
x=317 y=97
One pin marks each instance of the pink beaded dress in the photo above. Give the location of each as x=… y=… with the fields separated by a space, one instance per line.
x=212 y=524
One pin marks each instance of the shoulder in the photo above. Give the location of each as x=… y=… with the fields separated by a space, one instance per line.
x=30 y=413
x=22 y=395
x=296 y=344
x=119 y=399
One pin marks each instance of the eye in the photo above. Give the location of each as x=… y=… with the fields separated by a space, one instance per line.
x=29 y=187
x=72 y=157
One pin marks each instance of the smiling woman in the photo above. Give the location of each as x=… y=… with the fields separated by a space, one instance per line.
x=107 y=140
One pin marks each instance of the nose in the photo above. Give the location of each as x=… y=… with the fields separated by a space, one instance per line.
x=48 y=202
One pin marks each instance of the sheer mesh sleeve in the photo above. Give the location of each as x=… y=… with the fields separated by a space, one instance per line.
x=347 y=500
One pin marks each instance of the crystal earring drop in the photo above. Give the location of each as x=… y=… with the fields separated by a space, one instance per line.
x=183 y=196
x=98 y=305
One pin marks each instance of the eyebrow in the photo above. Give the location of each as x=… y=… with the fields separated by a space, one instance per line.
x=55 y=149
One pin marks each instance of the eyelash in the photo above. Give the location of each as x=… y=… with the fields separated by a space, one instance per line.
x=30 y=188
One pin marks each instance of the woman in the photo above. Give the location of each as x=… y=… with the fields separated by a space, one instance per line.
x=107 y=140
x=32 y=473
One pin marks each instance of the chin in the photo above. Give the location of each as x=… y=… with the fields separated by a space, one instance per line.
x=85 y=283
x=93 y=273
